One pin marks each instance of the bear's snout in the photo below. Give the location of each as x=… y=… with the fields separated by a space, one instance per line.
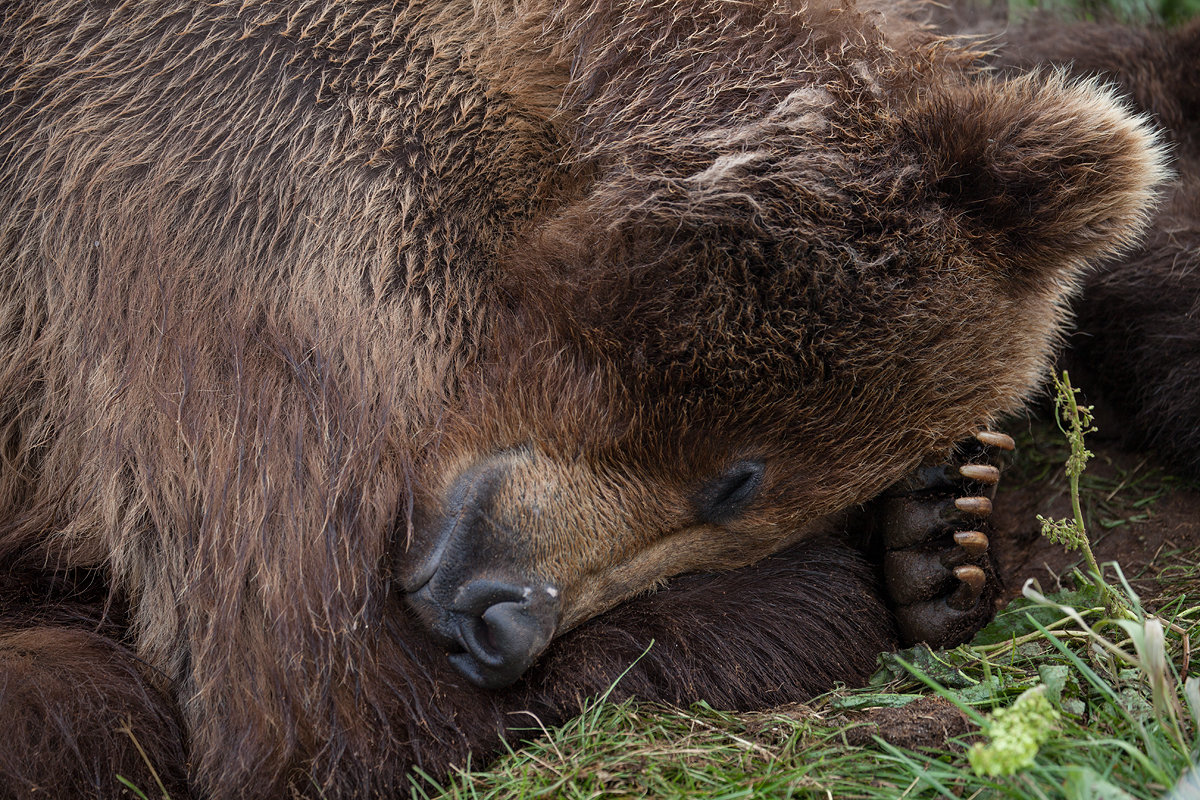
x=475 y=590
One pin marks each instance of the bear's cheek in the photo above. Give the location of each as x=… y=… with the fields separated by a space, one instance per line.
x=701 y=548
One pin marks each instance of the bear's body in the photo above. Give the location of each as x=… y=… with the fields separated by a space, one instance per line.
x=340 y=338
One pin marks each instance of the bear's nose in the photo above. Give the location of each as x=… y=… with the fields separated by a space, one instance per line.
x=502 y=627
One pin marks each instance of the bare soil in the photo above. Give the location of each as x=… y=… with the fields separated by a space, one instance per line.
x=1154 y=519
x=927 y=723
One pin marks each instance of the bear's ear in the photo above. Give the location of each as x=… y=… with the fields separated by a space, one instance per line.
x=1041 y=173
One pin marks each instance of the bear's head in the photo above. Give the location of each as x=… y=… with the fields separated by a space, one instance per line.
x=764 y=304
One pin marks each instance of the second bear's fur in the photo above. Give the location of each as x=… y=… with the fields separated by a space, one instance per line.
x=1138 y=337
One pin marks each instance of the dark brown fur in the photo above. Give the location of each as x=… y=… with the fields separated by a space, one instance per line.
x=278 y=276
x=76 y=700
x=1137 y=347
x=82 y=712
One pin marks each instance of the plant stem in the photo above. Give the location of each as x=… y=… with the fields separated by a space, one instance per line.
x=1078 y=425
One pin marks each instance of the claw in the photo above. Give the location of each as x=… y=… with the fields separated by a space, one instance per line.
x=972 y=580
x=973 y=542
x=980 y=473
x=976 y=506
x=1001 y=441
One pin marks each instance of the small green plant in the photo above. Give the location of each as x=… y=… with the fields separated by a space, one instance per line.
x=1016 y=734
x=1147 y=664
x=1075 y=422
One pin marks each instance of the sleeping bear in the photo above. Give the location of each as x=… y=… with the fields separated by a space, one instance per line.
x=374 y=374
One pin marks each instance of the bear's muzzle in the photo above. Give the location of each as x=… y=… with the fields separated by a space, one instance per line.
x=472 y=592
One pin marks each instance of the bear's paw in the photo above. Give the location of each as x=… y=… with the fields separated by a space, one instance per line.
x=937 y=566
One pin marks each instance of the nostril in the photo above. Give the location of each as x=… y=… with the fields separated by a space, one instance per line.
x=502 y=628
x=505 y=634
x=475 y=635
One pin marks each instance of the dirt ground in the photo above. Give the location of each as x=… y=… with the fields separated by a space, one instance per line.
x=929 y=722
x=1137 y=514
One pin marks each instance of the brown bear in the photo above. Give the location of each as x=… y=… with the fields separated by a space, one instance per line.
x=366 y=367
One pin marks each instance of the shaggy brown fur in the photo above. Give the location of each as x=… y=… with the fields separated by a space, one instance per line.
x=282 y=278
x=1138 y=339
